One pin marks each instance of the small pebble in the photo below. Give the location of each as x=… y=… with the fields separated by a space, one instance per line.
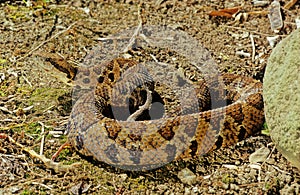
x=187 y=191
x=230 y=166
x=234 y=187
x=187 y=176
x=259 y=155
x=123 y=177
x=225 y=186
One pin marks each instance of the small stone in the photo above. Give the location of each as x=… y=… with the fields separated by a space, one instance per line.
x=273 y=40
x=206 y=176
x=123 y=177
x=255 y=166
x=162 y=187
x=187 y=191
x=260 y=3
x=259 y=155
x=211 y=190
x=141 y=177
x=253 y=175
x=225 y=186
x=234 y=187
x=195 y=189
x=297 y=21
x=187 y=176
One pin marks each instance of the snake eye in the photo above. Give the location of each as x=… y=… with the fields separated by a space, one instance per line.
x=79 y=142
x=111 y=77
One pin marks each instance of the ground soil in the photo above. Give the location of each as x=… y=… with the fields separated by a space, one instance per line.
x=35 y=97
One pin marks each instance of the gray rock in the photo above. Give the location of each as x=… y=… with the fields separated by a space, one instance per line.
x=187 y=176
x=259 y=155
x=282 y=97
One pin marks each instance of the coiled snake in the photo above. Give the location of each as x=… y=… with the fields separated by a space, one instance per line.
x=98 y=128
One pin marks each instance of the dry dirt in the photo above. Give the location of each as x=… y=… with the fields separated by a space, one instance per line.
x=35 y=98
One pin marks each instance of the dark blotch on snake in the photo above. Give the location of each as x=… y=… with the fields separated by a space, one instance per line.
x=111 y=153
x=171 y=151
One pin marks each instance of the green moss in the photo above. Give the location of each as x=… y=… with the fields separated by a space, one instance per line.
x=265 y=130
x=2 y=61
x=227 y=179
x=63 y=139
x=32 y=129
x=63 y=154
x=44 y=98
x=267 y=186
x=17 y=13
x=49 y=136
x=138 y=184
x=2 y=92
x=25 y=13
x=26 y=192
x=24 y=90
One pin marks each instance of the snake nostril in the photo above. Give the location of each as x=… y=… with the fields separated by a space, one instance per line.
x=86 y=80
x=101 y=79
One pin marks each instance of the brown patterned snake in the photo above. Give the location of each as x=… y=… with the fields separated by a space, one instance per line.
x=182 y=132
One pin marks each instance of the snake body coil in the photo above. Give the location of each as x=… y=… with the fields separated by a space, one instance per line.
x=95 y=128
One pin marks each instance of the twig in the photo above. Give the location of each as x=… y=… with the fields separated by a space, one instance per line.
x=141 y=109
x=281 y=171
x=55 y=155
x=43 y=185
x=264 y=12
x=27 y=81
x=111 y=38
x=269 y=156
x=253 y=47
x=135 y=34
x=242 y=53
x=42 y=43
x=57 y=167
x=156 y=60
x=264 y=162
x=43 y=138
x=250 y=31
x=133 y=38
x=12 y=156
x=4 y=109
x=290 y=4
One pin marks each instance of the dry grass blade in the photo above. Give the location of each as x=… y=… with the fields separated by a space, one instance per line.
x=44 y=42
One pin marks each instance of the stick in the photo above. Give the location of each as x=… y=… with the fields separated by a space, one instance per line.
x=141 y=109
x=57 y=167
x=43 y=138
x=135 y=34
x=253 y=47
x=42 y=43
x=290 y=4
x=133 y=38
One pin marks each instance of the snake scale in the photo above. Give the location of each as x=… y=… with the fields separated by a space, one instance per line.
x=180 y=133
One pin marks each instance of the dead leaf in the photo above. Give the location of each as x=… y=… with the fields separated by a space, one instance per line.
x=226 y=12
